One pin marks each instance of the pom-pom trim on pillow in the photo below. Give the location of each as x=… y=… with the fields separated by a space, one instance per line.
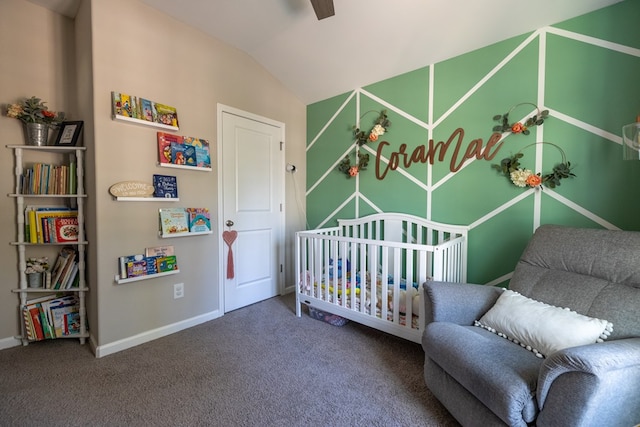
x=541 y=328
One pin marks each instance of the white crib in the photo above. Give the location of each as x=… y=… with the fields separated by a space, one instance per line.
x=370 y=270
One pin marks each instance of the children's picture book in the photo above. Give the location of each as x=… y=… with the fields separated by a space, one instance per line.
x=168 y=263
x=166 y=115
x=152 y=264
x=66 y=229
x=134 y=107
x=189 y=154
x=137 y=268
x=203 y=156
x=174 y=221
x=123 y=262
x=147 y=110
x=165 y=186
x=159 y=251
x=60 y=313
x=199 y=220
x=126 y=110
x=65 y=260
x=116 y=104
x=178 y=153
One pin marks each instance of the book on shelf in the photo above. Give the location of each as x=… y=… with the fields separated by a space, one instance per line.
x=148 y=110
x=202 y=151
x=40 y=316
x=199 y=220
x=164 y=146
x=156 y=251
x=65 y=262
x=34 y=221
x=165 y=186
x=153 y=262
x=44 y=230
x=166 y=115
x=116 y=104
x=174 y=221
x=167 y=263
x=65 y=229
x=136 y=268
x=41 y=178
x=59 y=309
x=125 y=102
x=135 y=110
x=123 y=264
x=151 y=265
x=32 y=326
x=183 y=153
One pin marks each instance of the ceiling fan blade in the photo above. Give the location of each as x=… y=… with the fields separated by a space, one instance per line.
x=323 y=8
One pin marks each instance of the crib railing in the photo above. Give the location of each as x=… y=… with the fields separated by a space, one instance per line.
x=355 y=267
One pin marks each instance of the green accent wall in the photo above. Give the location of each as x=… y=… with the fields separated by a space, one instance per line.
x=585 y=71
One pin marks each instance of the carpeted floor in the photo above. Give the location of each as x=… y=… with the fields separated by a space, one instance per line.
x=256 y=366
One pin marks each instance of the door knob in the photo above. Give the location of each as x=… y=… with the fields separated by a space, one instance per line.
x=229 y=223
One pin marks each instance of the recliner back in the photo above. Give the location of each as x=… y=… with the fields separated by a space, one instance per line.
x=594 y=272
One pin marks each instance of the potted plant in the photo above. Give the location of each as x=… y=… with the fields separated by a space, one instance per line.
x=36 y=269
x=36 y=118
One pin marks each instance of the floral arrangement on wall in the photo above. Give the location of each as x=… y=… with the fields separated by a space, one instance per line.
x=517 y=127
x=519 y=175
x=380 y=126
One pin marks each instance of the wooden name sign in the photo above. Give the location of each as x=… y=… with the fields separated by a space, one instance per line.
x=131 y=189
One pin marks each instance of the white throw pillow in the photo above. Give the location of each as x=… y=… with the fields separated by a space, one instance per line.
x=539 y=327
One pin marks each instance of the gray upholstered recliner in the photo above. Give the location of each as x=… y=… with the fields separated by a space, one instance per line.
x=486 y=380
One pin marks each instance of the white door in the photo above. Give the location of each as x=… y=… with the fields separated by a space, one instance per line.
x=251 y=165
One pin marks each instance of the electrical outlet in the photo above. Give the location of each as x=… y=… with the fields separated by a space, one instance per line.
x=178 y=290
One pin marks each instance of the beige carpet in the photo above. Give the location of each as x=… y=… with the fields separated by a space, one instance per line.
x=257 y=366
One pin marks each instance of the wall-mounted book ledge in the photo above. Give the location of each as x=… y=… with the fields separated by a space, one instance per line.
x=147 y=199
x=190 y=233
x=192 y=168
x=144 y=122
x=144 y=277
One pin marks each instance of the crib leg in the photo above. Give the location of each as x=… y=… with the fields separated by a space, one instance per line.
x=298 y=307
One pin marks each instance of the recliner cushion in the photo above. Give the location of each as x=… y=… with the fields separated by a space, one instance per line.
x=501 y=374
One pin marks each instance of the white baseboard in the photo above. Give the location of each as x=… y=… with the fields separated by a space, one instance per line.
x=288 y=290
x=9 y=342
x=123 y=344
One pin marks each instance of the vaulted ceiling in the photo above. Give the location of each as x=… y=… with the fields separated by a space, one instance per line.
x=365 y=41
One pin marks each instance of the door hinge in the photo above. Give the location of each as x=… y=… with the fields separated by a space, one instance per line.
x=281 y=144
x=280 y=268
x=280 y=207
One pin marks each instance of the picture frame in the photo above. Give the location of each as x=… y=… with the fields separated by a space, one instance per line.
x=68 y=133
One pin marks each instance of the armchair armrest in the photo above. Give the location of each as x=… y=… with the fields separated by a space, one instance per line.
x=599 y=380
x=460 y=303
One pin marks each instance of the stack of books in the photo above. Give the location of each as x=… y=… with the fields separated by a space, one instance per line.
x=51 y=224
x=64 y=274
x=51 y=317
x=42 y=178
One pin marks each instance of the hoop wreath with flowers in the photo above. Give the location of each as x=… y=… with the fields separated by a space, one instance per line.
x=510 y=167
x=523 y=177
x=517 y=127
x=380 y=126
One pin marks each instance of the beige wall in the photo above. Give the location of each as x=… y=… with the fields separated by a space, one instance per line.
x=126 y=46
